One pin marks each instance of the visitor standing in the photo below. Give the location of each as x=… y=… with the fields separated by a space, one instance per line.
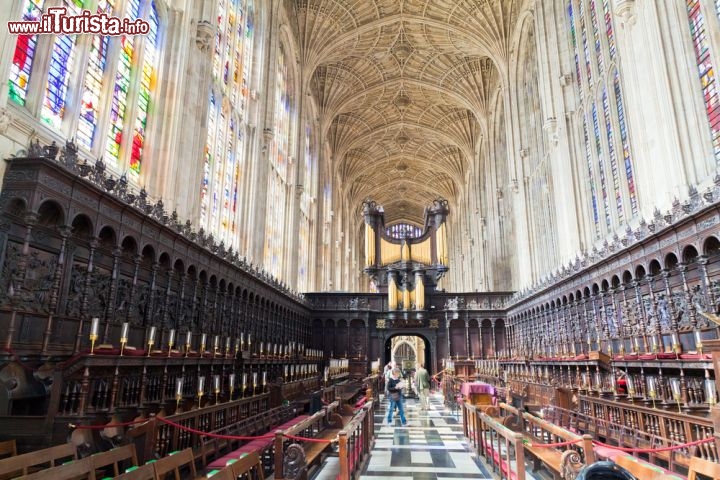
x=395 y=387
x=422 y=383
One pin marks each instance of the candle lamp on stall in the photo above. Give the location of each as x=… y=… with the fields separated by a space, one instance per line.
x=698 y=342
x=652 y=389
x=231 y=385
x=710 y=390
x=151 y=340
x=201 y=390
x=188 y=342
x=630 y=387
x=676 y=392
x=94 y=333
x=203 y=342
x=178 y=393
x=124 y=333
x=677 y=349
x=216 y=388
x=171 y=340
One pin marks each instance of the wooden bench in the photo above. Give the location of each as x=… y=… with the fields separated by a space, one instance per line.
x=560 y=461
x=8 y=448
x=113 y=458
x=497 y=444
x=144 y=472
x=703 y=467
x=249 y=466
x=292 y=461
x=40 y=459
x=213 y=447
x=355 y=441
x=259 y=445
x=74 y=470
x=642 y=469
x=175 y=463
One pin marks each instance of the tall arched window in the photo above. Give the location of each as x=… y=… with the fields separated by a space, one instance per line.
x=536 y=162
x=61 y=67
x=114 y=92
x=93 y=83
x=706 y=72
x=279 y=167
x=307 y=210
x=133 y=53
x=24 y=55
x=611 y=192
x=224 y=162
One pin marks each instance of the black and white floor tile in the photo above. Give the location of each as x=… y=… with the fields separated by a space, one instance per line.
x=430 y=447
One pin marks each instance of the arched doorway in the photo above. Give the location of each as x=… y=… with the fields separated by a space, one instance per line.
x=405 y=350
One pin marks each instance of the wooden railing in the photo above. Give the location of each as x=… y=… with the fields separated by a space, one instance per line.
x=501 y=447
x=624 y=429
x=155 y=439
x=563 y=458
x=355 y=442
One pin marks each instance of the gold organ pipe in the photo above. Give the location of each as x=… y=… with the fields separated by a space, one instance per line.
x=405 y=252
x=392 y=293
x=419 y=293
x=406 y=299
x=389 y=252
x=420 y=252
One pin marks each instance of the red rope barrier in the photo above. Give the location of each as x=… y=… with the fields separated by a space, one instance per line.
x=304 y=439
x=16 y=357
x=212 y=435
x=551 y=445
x=236 y=437
x=659 y=449
x=624 y=449
x=109 y=425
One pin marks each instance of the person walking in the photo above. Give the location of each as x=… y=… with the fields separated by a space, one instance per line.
x=387 y=375
x=395 y=388
x=422 y=383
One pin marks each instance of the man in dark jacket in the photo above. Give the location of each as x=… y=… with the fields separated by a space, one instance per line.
x=395 y=387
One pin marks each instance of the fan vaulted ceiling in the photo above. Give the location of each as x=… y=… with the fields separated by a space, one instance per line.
x=403 y=90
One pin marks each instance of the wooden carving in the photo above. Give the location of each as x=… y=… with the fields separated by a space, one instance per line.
x=294 y=463
x=570 y=464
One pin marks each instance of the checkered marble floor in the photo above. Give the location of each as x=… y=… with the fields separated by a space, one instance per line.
x=430 y=447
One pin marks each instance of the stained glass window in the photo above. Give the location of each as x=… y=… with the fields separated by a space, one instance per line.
x=61 y=65
x=279 y=159
x=403 y=230
x=147 y=85
x=611 y=154
x=24 y=54
x=225 y=149
x=92 y=86
x=125 y=67
x=706 y=72
x=307 y=213
x=625 y=144
x=608 y=177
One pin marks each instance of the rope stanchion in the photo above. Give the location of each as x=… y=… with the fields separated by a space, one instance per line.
x=109 y=425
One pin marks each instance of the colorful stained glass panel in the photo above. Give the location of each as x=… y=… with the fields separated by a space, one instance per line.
x=24 y=55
